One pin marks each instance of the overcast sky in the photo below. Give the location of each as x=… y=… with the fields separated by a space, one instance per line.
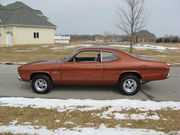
x=98 y=16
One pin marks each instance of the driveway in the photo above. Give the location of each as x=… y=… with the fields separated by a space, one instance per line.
x=165 y=90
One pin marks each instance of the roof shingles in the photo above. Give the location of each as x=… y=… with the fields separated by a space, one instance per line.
x=20 y=14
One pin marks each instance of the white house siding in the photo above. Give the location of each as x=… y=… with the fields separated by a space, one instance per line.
x=25 y=35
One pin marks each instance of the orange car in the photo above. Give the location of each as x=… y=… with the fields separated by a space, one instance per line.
x=94 y=65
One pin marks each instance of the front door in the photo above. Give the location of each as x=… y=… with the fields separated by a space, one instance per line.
x=9 y=38
x=84 y=68
x=0 y=40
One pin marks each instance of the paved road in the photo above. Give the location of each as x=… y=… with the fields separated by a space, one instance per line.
x=165 y=90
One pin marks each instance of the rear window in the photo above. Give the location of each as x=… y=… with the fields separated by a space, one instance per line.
x=108 y=56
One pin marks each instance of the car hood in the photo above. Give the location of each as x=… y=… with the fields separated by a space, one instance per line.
x=40 y=62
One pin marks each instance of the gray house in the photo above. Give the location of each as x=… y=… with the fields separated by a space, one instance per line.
x=145 y=36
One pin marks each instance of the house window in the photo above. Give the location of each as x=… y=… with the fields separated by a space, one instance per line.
x=36 y=34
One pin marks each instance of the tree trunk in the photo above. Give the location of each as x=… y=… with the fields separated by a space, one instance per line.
x=131 y=44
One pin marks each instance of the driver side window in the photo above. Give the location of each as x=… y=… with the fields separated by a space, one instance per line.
x=87 y=56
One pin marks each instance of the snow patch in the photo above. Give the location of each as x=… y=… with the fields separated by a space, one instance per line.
x=62 y=105
x=13 y=122
x=21 y=129
x=45 y=46
x=125 y=116
x=22 y=51
x=147 y=46
x=57 y=121
x=71 y=46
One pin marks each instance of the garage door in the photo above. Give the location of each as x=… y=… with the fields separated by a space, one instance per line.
x=9 y=38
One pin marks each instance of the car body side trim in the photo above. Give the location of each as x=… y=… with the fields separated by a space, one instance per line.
x=102 y=69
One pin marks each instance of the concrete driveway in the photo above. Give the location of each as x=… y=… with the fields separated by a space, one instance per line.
x=165 y=90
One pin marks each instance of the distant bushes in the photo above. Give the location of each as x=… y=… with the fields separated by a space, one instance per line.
x=168 y=39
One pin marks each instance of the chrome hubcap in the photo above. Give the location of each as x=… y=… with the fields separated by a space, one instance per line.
x=129 y=85
x=40 y=85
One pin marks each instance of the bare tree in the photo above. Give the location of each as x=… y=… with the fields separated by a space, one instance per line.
x=107 y=37
x=132 y=19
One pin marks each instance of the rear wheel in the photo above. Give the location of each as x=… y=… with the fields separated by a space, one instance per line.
x=41 y=84
x=129 y=85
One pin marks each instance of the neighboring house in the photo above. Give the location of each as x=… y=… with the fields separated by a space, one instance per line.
x=99 y=38
x=145 y=36
x=62 y=39
x=20 y=24
x=116 y=38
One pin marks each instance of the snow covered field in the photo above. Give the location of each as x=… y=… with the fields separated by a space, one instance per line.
x=106 y=110
x=136 y=46
x=70 y=46
x=147 y=46
x=78 y=131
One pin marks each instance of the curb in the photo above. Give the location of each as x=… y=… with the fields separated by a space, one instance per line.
x=12 y=63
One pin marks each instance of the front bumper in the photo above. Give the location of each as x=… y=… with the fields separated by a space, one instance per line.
x=19 y=78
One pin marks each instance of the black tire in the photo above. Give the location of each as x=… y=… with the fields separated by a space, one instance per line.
x=129 y=84
x=44 y=80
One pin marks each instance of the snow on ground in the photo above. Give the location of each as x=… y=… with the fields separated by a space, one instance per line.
x=24 y=51
x=136 y=46
x=147 y=46
x=176 y=63
x=88 y=104
x=21 y=129
x=92 y=104
x=125 y=116
x=71 y=46
x=45 y=46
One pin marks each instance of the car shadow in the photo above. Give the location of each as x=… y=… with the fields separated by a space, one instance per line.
x=25 y=86
x=86 y=92
x=92 y=88
x=145 y=89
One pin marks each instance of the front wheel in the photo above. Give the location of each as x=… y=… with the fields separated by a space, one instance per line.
x=41 y=84
x=129 y=85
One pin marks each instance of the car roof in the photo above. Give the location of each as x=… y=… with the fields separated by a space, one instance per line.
x=100 y=48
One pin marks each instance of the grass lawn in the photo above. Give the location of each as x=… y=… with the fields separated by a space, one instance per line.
x=52 y=119
x=28 y=53
x=72 y=115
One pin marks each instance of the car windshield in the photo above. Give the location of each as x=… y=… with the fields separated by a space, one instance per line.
x=66 y=58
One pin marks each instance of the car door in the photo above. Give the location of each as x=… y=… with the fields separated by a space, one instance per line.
x=83 y=68
x=110 y=66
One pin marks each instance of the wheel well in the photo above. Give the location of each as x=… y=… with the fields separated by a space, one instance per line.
x=34 y=74
x=131 y=73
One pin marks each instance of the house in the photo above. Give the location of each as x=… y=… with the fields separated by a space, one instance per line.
x=116 y=38
x=20 y=25
x=62 y=39
x=99 y=38
x=145 y=36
